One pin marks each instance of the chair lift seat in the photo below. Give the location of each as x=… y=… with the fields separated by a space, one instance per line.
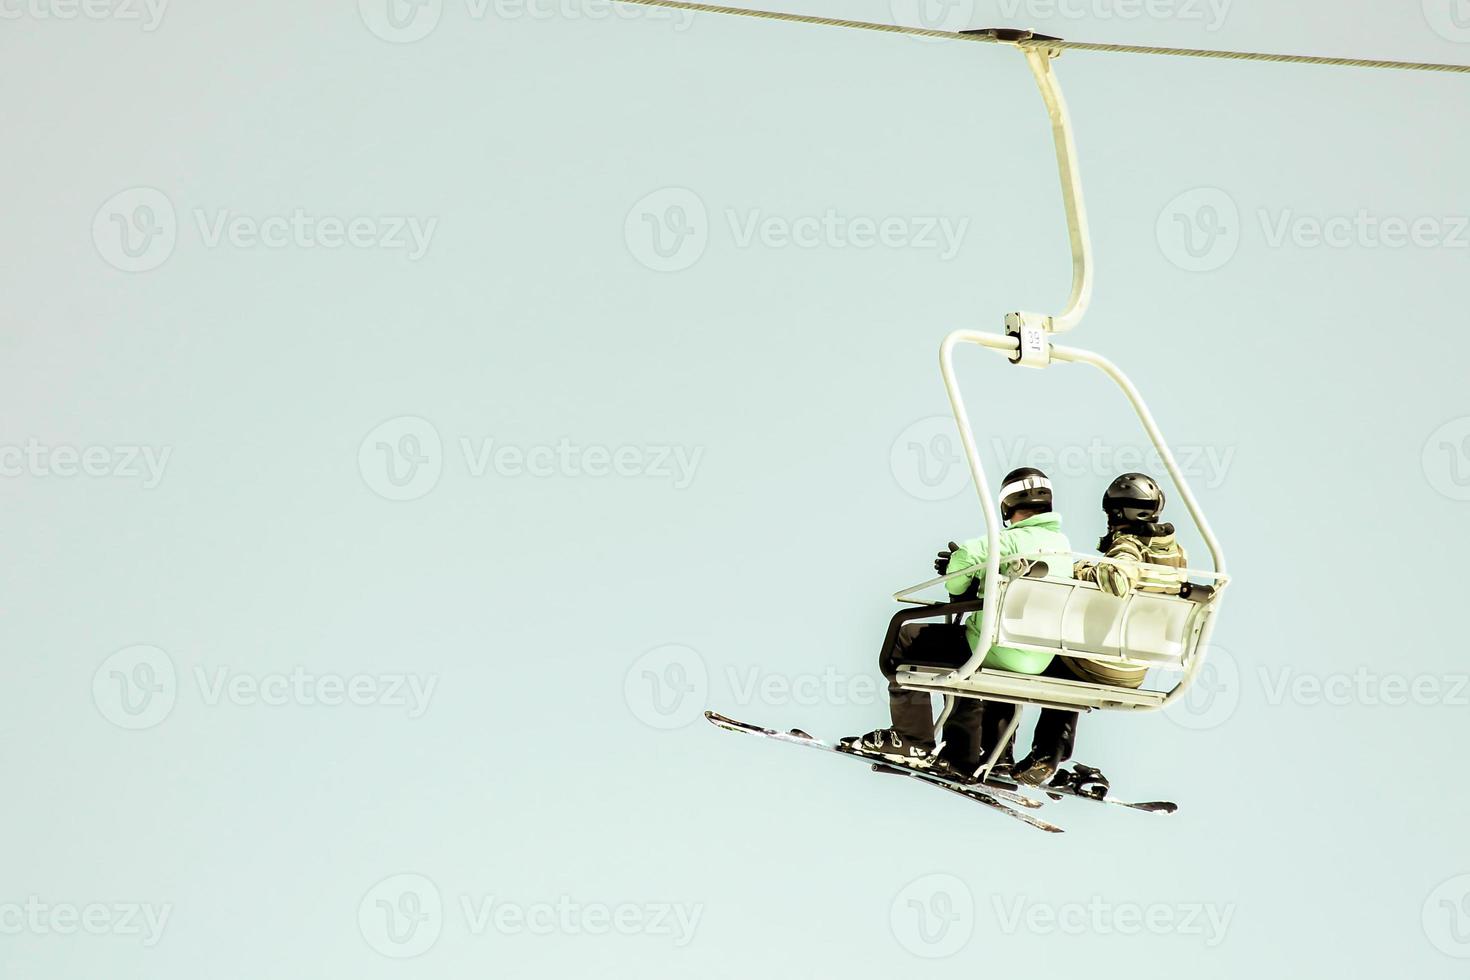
x=1072 y=618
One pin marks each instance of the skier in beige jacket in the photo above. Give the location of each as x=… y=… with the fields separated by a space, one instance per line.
x=1133 y=503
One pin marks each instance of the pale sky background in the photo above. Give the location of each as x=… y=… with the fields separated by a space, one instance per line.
x=415 y=416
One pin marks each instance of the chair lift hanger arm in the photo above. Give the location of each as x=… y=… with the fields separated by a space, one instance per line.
x=1026 y=39
x=1039 y=59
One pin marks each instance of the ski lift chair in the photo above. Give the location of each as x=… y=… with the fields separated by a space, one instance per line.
x=1051 y=613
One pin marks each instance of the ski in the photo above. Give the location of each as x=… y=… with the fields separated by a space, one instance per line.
x=1058 y=789
x=986 y=796
x=884 y=765
x=1014 y=792
x=994 y=798
x=894 y=768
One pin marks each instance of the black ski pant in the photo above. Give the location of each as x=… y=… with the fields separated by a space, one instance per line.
x=973 y=727
x=1056 y=731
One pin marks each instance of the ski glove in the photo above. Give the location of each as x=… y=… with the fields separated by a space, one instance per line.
x=941 y=561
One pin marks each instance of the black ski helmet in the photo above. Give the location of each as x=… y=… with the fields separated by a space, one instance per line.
x=1133 y=498
x=1026 y=488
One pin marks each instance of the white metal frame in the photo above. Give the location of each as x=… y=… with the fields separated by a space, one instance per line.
x=1027 y=342
x=1061 y=128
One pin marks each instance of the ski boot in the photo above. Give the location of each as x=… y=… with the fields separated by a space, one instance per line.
x=968 y=770
x=1035 y=769
x=1005 y=766
x=887 y=745
x=1083 y=780
x=959 y=770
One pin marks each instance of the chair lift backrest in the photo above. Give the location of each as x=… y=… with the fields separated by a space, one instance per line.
x=1080 y=620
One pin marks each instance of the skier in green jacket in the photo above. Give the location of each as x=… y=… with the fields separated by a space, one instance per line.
x=974 y=725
